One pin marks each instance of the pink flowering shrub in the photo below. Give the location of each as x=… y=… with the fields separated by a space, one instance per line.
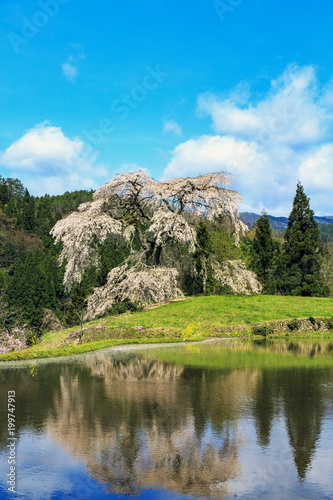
x=13 y=341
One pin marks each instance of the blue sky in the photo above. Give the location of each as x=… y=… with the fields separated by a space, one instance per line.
x=177 y=88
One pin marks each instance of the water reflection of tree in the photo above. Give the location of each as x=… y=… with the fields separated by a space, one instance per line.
x=264 y=407
x=304 y=412
x=138 y=422
x=34 y=397
x=151 y=429
x=299 y=395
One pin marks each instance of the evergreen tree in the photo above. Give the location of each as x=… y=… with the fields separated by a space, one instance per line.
x=29 y=213
x=202 y=281
x=10 y=209
x=31 y=287
x=44 y=220
x=26 y=217
x=4 y=194
x=302 y=249
x=265 y=251
x=15 y=188
x=75 y=304
x=112 y=255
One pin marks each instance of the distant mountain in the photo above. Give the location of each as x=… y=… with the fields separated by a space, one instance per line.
x=280 y=223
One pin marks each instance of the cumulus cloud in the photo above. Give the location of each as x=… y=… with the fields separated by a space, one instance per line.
x=69 y=71
x=316 y=168
x=292 y=113
x=236 y=156
x=211 y=153
x=268 y=143
x=70 y=67
x=49 y=162
x=173 y=127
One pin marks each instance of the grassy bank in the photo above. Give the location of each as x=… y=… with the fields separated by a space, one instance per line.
x=192 y=319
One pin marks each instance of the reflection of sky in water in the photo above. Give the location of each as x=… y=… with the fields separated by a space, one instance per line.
x=42 y=467
x=175 y=411
x=45 y=471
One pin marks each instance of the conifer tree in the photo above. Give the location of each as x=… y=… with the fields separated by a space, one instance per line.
x=265 y=251
x=10 y=209
x=44 y=220
x=203 y=281
x=26 y=219
x=31 y=287
x=4 y=194
x=302 y=251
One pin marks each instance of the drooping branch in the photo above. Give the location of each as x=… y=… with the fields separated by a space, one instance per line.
x=80 y=233
x=169 y=226
x=234 y=275
x=140 y=284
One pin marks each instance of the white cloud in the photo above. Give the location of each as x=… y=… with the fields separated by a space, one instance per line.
x=211 y=153
x=269 y=143
x=70 y=68
x=57 y=471
x=49 y=162
x=242 y=158
x=172 y=126
x=131 y=167
x=316 y=168
x=292 y=113
x=70 y=71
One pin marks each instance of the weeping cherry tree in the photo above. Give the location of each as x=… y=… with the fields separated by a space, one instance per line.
x=155 y=214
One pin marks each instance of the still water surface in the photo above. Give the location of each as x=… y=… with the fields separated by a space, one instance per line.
x=219 y=420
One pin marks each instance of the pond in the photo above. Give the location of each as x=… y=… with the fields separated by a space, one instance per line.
x=219 y=420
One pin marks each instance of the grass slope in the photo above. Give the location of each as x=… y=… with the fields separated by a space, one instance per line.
x=168 y=322
x=216 y=311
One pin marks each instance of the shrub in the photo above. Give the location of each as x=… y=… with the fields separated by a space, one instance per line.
x=31 y=339
x=312 y=320
x=122 y=307
x=13 y=341
x=329 y=323
x=293 y=324
x=190 y=331
x=264 y=331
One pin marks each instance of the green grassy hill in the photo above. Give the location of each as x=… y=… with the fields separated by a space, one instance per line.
x=194 y=318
